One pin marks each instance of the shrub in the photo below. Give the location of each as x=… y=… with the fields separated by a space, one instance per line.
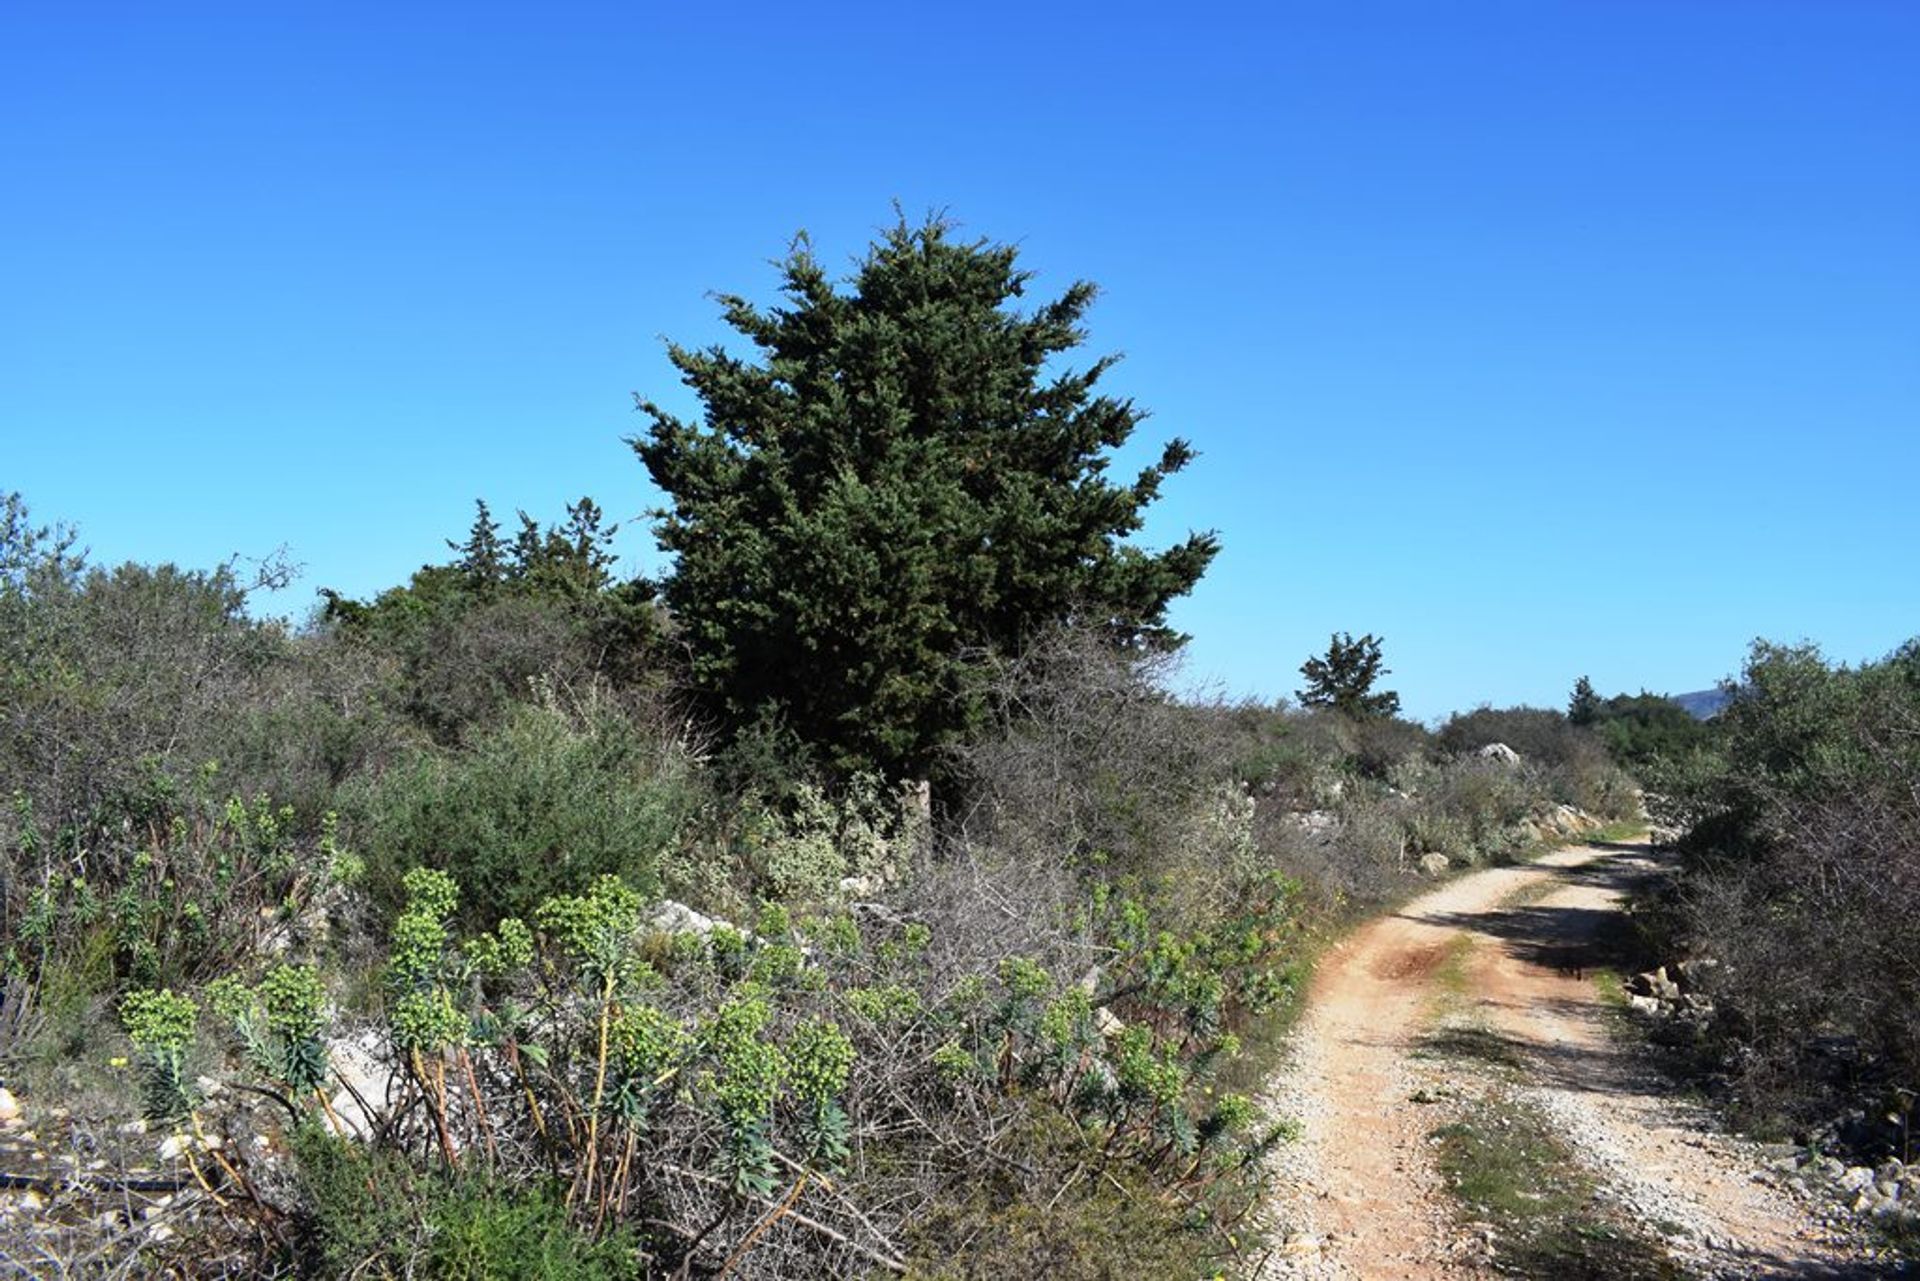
x=693 y=1089
x=321 y=714
x=1341 y=877
x=1489 y=799
x=1570 y=763
x=1541 y=736
x=182 y=888
x=1374 y=833
x=367 y=1214
x=468 y=639
x=799 y=850
x=480 y=1231
x=114 y=676
x=1369 y=748
x=1383 y=742
x=1803 y=879
x=1000 y=1224
x=545 y=803
x=1088 y=758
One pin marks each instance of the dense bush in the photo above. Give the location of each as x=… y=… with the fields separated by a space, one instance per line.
x=843 y=1076
x=371 y=1214
x=1641 y=729
x=170 y=765
x=1538 y=734
x=1006 y=1223
x=1087 y=758
x=112 y=672
x=1305 y=757
x=198 y=886
x=559 y=793
x=1571 y=763
x=1802 y=884
x=466 y=639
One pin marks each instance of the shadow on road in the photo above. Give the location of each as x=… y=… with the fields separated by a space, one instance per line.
x=1568 y=938
x=1586 y=1054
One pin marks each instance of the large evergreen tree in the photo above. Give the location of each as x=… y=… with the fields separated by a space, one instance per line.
x=902 y=479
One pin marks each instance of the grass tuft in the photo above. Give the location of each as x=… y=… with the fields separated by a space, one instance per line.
x=1509 y=1169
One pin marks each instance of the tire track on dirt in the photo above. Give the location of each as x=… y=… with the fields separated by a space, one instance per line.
x=1358 y=1191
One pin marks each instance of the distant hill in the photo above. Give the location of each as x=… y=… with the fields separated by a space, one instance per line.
x=1702 y=705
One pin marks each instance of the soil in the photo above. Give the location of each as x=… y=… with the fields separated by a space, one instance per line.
x=1510 y=954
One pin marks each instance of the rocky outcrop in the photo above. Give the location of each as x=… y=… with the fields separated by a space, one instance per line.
x=1558 y=823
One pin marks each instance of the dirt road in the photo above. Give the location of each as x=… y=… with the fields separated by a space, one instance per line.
x=1506 y=953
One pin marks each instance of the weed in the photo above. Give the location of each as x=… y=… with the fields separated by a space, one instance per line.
x=1507 y=1167
x=1452 y=974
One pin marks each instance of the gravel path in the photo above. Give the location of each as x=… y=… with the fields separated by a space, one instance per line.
x=1358 y=1196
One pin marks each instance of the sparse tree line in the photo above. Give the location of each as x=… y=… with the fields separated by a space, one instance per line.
x=528 y=920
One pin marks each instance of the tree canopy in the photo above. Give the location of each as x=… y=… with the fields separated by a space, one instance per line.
x=1583 y=708
x=901 y=480
x=543 y=603
x=1344 y=678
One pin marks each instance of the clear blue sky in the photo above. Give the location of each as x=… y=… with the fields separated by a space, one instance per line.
x=1541 y=337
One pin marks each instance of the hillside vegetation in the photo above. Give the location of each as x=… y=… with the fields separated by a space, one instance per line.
x=855 y=901
x=244 y=857
x=1799 y=902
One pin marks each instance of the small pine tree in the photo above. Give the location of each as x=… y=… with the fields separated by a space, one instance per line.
x=1584 y=707
x=572 y=560
x=1343 y=680
x=482 y=557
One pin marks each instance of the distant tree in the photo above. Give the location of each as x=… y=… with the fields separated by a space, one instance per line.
x=1637 y=729
x=469 y=635
x=904 y=482
x=40 y=570
x=34 y=555
x=1344 y=679
x=483 y=557
x=1584 y=707
x=572 y=559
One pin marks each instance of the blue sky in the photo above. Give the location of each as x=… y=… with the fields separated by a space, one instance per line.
x=1541 y=337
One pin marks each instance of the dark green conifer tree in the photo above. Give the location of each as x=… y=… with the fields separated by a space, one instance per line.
x=903 y=478
x=1344 y=679
x=1584 y=707
x=483 y=558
